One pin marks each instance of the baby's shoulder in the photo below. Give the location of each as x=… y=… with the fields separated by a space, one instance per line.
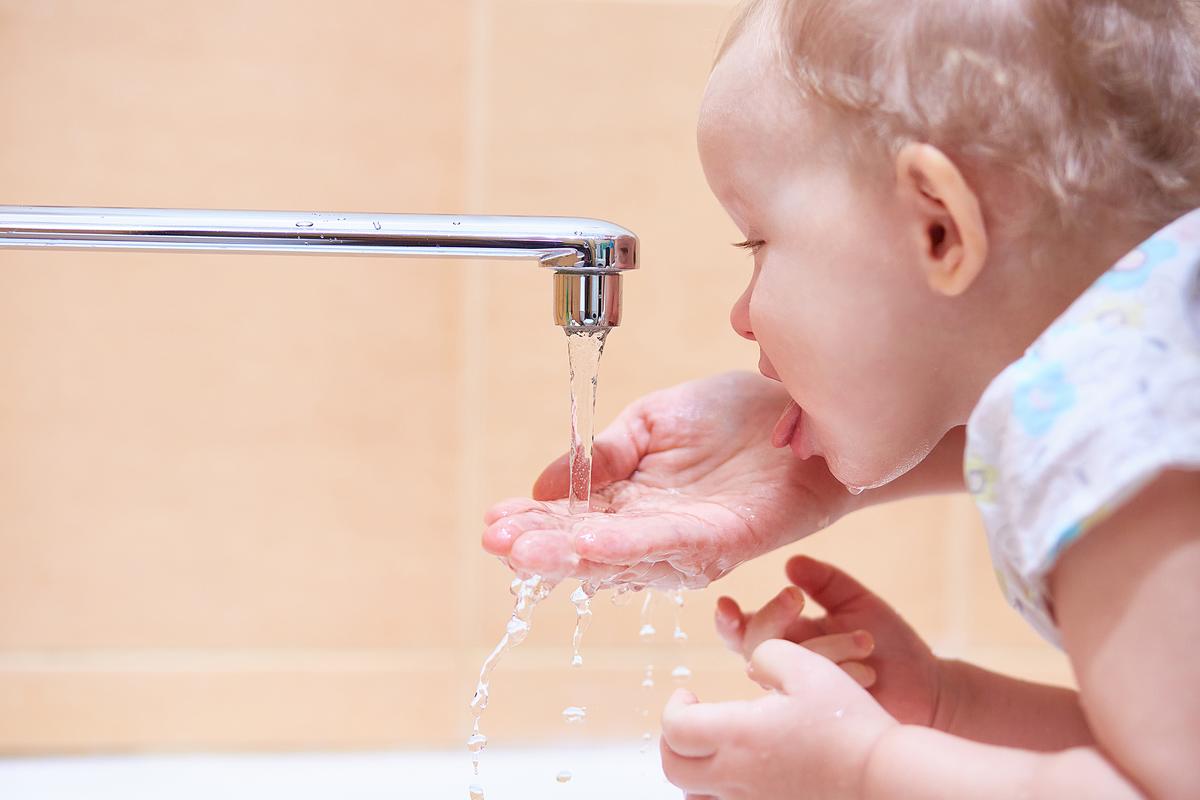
x=1104 y=401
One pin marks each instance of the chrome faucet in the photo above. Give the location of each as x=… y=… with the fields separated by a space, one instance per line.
x=587 y=256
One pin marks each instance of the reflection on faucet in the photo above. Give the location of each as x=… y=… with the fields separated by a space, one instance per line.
x=587 y=256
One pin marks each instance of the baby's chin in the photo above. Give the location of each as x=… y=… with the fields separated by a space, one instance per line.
x=861 y=471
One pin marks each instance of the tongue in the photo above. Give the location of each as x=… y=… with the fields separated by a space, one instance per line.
x=785 y=428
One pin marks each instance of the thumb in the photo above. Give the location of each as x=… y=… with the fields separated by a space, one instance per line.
x=690 y=728
x=616 y=453
x=782 y=666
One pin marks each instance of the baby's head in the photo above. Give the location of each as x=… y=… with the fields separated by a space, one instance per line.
x=928 y=184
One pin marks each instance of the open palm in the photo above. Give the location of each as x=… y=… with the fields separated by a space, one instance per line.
x=686 y=486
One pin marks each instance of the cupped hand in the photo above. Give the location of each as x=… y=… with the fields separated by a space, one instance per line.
x=859 y=632
x=685 y=486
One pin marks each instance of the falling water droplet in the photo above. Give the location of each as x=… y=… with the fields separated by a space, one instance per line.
x=647 y=631
x=855 y=490
x=563 y=777
x=476 y=791
x=574 y=713
x=581 y=598
x=304 y=223
x=681 y=673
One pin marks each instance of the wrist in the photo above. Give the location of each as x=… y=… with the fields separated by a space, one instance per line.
x=950 y=695
x=875 y=768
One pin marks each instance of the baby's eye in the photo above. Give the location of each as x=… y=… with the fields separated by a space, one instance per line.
x=753 y=245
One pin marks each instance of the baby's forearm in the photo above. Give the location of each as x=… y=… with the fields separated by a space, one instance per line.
x=996 y=709
x=914 y=762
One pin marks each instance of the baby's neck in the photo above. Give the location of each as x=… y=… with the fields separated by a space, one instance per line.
x=1039 y=289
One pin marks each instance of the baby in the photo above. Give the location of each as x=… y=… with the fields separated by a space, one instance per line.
x=976 y=266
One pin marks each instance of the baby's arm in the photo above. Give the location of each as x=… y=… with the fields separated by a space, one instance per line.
x=988 y=707
x=874 y=644
x=1127 y=601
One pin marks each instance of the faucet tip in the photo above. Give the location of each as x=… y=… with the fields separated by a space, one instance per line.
x=587 y=300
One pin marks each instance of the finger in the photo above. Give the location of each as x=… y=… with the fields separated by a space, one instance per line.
x=545 y=553
x=839 y=647
x=804 y=628
x=616 y=453
x=508 y=507
x=730 y=623
x=776 y=664
x=510 y=519
x=833 y=589
x=690 y=728
x=863 y=674
x=772 y=620
x=690 y=774
x=631 y=538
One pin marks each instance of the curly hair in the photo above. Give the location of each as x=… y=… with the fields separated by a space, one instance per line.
x=1087 y=108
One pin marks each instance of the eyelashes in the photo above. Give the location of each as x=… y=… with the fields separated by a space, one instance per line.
x=753 y=245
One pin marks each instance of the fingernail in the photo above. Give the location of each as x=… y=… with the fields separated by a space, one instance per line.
x=863 y=639
x=795 y=595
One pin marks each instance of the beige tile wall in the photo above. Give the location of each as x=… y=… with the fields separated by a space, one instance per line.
x=240 y=496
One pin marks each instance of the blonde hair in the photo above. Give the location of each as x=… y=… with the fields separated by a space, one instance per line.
x=1087 y=108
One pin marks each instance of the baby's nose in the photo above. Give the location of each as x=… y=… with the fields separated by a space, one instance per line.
x=739 y=317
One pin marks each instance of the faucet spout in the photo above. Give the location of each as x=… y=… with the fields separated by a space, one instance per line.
x=587 y=256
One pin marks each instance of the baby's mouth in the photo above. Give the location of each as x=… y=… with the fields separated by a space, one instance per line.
x=766 y=367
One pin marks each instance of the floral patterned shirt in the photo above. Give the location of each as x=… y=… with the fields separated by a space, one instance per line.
x=1103 y=402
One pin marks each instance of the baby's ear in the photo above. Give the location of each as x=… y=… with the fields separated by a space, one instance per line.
x=947 y=222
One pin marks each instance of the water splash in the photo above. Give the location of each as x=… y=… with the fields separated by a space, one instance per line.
x=581 y=598
x=529 y=593
x=574 y=713
x=584 y=349
x=646 y=633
